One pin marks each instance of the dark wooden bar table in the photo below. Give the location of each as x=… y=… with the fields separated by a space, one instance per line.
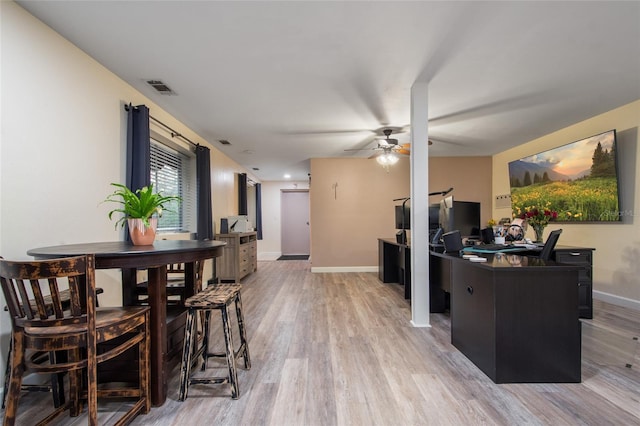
x=154 y=258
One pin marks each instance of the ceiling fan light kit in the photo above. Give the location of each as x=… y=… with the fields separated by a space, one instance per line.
x=387 y=159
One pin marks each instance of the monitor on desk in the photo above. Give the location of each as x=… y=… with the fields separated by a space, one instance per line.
x=403 y=217
x=463 y=216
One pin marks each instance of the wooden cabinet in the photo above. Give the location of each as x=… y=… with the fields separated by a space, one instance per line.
x=582 y=257
x=239 y=257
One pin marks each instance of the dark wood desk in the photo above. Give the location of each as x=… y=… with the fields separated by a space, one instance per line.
x=394 y=266
x=155 y=258
x=516 y=317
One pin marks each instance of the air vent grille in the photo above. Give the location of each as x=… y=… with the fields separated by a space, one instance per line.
x=161 y=87
x=224 y=142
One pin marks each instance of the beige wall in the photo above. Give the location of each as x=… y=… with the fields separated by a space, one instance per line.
x=347 y=222
x=616 y=269
x=470 y=178
x=351 y=207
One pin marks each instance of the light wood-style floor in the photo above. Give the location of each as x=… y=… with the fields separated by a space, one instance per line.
x=338 y=349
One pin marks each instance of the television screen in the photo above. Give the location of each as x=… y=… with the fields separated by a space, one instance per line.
x=403 y=221
x=579 y=181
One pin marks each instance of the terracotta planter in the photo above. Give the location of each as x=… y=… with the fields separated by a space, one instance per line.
x=140 y=234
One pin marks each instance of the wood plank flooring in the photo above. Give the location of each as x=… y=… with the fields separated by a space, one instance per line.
x=338 y=349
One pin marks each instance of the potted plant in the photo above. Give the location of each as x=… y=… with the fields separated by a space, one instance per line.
x=139 y=208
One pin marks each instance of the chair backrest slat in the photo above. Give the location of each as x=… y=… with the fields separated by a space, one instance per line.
x=56 y=300
x=40 y=305
x=77 y=305
x=22 y=291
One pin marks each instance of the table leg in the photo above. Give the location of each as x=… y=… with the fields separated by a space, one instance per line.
x=158 y=302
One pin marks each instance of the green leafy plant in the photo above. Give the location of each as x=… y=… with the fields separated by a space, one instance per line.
x=141 y=204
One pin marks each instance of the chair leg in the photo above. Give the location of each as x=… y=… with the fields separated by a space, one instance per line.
x=75 y=384
x=243 y=333
x=15 y=382
x=57 y=381
x=7 y=374
x=205 y=338
x=185 y=368
x=231 y=358
x=144 y=351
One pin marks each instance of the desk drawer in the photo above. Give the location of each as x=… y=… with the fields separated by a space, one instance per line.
x=574 y=257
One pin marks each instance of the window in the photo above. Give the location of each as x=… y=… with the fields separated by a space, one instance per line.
x=173 y=173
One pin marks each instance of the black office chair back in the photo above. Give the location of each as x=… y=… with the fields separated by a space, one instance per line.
x=545 y=254
x=452 y=242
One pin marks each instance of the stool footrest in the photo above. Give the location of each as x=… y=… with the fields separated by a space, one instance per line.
x=209 y=381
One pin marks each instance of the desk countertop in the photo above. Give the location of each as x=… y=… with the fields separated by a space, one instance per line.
x=505 y=261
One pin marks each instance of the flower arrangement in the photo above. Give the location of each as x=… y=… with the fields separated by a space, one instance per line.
x=538 y=217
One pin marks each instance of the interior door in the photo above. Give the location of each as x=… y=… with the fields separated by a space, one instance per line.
x=295 y=230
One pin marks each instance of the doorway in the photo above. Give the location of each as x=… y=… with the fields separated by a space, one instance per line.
x=294 y=227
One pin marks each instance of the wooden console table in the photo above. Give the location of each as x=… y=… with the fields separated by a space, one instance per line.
x=240 y=256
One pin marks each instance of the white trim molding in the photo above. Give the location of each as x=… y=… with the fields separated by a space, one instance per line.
x=617 y=300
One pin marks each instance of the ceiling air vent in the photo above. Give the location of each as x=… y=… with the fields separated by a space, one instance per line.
x=160 y=87
x=224 y=142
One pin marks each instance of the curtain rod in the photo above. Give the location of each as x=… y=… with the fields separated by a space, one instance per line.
x=173 y=133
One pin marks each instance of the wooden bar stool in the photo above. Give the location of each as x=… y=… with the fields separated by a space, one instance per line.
x=217 y=296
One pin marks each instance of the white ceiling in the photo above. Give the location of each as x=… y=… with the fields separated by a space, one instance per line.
x=290 y=81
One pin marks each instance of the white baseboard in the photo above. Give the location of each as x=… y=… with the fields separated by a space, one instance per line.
x=617 y=300
x=269 y=255
x=344 y=269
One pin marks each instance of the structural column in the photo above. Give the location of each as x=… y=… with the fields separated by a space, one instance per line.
x=419 y=206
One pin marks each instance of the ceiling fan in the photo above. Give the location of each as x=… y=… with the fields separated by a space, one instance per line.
x=387 y=146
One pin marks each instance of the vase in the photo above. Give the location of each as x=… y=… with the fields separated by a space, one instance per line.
x=142 y=235
x=538 y=231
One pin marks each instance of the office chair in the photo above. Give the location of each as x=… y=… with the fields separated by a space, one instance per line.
x=452 y=242
x=550 y=244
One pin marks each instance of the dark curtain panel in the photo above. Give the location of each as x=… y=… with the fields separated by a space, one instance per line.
x=138 y=147
x=138 y=151
x=203 y=177
x=259 y=210
x=242 y=193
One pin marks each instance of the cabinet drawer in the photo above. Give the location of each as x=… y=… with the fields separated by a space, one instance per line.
x=574 y=257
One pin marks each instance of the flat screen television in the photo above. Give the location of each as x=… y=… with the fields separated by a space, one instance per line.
x=579 y=181
x=403 y=219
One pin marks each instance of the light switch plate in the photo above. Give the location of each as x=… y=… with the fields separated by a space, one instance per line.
x=503 y=201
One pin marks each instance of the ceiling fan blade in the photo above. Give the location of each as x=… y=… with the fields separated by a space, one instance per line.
x=360 y=149
x=326 y=132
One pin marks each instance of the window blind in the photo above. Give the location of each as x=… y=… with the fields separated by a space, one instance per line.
x=172 y=173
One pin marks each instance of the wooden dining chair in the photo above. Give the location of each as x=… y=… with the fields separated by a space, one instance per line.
x=176 y=292
x=56 y=387
x=80 y=337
